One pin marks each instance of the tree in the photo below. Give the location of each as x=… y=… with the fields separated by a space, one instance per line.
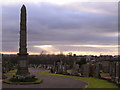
x=81 y=61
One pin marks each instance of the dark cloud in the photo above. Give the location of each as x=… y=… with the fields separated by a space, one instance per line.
x=60 y=25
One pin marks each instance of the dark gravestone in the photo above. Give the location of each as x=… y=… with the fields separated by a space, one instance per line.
x=111 y=67
x=105 y=66
x=85 y=70
x=92 y=70
x=117 y=78
x=97 y=70
x=65 y=69
x=113 y=75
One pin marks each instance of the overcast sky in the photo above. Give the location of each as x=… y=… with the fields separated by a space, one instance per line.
x=67 y=26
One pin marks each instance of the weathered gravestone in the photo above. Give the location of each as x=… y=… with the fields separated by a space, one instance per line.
x=85 y=70
x=60 y=69
x=97 y=71
x=92 y=70
x=111 y=68
x=64 y=69
x=75 y=69
x=117 y=78
x=105 y=66
x=113 y=73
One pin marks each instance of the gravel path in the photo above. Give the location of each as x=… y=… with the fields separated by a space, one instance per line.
x=50 y=82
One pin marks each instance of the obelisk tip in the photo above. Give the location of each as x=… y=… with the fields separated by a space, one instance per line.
x=23 y=6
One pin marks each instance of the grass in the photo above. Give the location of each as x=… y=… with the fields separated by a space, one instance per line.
x=105 y=74
x=92 y=82
x=12 y=72
x=8 y=80
x=40 y=69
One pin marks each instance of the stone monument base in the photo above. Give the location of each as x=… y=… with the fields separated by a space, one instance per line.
x=23 y=71
x=22 y=65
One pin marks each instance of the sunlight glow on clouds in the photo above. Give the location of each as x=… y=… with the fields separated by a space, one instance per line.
x=48 y=48
x=103 y=46
x=67 y=52
x=44 y=46
x=111 y=34
x=109 y=49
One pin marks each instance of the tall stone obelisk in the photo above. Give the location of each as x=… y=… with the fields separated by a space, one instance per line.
x=22 y=55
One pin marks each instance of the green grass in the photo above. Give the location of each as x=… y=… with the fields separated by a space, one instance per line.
x=97 y=83
x=40 y=69
x=8 y=80
x=105 y=74
x=12 y=72
x=92 y=82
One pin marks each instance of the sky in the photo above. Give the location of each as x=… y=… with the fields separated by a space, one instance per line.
x=54 y=26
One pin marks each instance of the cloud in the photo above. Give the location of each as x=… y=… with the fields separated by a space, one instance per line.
x=58 y=2
x=47 y=48
x=52 y=24
x=79 y=49
x=92 y=7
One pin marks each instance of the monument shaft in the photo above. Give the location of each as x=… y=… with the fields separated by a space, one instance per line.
x=23 y=28
x=22 y=55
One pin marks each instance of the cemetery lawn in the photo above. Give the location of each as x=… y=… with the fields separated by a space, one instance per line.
x=105 y=74
x=92 y=82
x=40 y=69
x=12 y=72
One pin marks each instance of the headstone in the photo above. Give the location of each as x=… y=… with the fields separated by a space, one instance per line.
x=92 y=70
x=111 y=67
x=117 y=78
x=97 y=71
x=65 y=69
x=59 y=67
x=105 y=66
x=113 y=75
x=85 y=70
x=75 y=69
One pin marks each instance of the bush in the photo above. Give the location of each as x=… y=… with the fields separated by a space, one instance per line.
x=81 y=61
x=22 y=82
x=19 y=78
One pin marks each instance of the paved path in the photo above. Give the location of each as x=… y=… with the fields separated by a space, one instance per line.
x=50 y=82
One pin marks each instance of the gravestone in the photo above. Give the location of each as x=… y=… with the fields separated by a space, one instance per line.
x=59 y=67
x=113 y=75
x=65 y=69
x=75 y=69
x=111 y=67
x=92 y=70
x=85 y=70
x=105 y=66
x=97 y=71
x=117 y=78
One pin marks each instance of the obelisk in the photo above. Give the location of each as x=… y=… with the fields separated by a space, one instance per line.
x=22 y=55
